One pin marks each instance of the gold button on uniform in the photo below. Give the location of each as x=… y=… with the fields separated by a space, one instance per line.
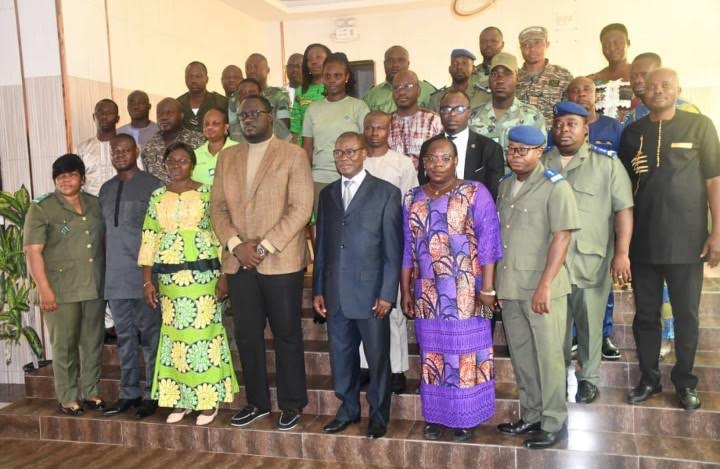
x=89 y=246
x=90 y=260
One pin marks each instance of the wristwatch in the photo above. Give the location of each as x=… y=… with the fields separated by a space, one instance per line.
x=261 y=251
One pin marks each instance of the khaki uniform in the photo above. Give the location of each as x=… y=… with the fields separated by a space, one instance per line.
x=478 y=96
x=74 y=265
x=602 y=188
x=544 y=205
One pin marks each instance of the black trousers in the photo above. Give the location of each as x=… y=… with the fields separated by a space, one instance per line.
x=684 y=283
x=256 y=299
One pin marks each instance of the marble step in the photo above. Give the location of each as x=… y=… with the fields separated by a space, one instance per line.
x=609 y=412
x=403 y=446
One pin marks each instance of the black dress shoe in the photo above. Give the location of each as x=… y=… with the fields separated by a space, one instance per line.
x=376 y=430
x=586 y=393
x=546 y=439
x=642 y=392
x=610 y=350
x=520 y=427
x=337 y=425
x=462 y=435
x=364 y=377
x=146 y=409
x=397 y=383
x=122 y=405
x=432 y=431
x=689 y=398
x=91 y=404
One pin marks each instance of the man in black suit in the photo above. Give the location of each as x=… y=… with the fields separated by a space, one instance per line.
x=358 y=257
x=479 y=158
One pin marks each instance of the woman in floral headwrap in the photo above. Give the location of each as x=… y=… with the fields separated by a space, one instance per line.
x=194 y=369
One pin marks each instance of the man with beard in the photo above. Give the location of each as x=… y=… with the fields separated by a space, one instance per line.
x=461 y=69
x=95 y=151
x=231 y=77
x=141 y=128
x=198 y=99
x=491 y=44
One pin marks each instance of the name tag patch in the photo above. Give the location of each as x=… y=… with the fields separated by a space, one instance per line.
x=685 y=145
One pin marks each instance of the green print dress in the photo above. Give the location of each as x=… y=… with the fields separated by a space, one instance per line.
x=194 y=368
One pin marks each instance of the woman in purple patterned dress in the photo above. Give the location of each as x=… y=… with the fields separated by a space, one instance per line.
x=452 y=241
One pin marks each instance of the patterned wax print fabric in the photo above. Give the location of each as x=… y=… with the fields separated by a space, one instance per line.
x=447 y=241
x=315 y=92
x=193 y=369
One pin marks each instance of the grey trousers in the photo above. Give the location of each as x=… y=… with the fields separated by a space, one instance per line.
x=137 y=325
x=586 y=307
x=536 y=342
x=76 y=337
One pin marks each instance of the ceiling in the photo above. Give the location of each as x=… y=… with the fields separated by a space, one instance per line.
x=297 y=9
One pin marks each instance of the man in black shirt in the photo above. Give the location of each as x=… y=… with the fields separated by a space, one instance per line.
x=673 y=158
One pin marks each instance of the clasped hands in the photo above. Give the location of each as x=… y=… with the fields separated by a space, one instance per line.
x=246 y=254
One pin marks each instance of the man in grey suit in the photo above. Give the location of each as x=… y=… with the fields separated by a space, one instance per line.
x=358 y=257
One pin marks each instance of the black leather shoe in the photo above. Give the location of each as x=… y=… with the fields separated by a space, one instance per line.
x=364 y=377
x=520 y=427
x=432 y=431
x=376 y=430
x=462 y=435
x=610 y=350
x=586 y=393
x=397 y=383
x=337 y=425
x=642 y=392
x=689 y=398
x=248 y=415
x=147 y=408
x=546 y=439
x=122 y=405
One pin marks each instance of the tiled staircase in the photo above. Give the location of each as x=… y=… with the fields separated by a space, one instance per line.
x=608 y=433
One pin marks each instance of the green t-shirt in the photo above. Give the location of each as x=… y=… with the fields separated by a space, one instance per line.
x=204 y=171
x=300 y=105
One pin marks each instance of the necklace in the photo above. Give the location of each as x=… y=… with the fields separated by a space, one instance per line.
x=442 y=190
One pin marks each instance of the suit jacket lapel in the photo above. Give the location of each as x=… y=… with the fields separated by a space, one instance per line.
x=263 y=167
x=473 y=157
x=361 y=193
x=336 y=195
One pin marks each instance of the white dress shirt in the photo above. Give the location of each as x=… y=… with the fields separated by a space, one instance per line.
x=353 y=188
x=461 y=142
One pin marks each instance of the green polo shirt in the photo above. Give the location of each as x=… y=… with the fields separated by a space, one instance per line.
x=204 y=170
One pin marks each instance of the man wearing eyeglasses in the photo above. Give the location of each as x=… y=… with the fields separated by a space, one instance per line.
x=538 y=213
x=479 y=158
x=261 y=201
x=461 y=71
x=358 y=256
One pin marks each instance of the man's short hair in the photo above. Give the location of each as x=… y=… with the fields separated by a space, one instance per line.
x=123 y=136
x=649 y=56
x=614 y=27
x=350 y=134
x=492 y=28
x=108 y=101
x=267 y=107
x=250 y=80
x=200 y=64
x=451 y=91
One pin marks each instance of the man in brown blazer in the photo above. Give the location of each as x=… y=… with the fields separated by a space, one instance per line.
x=261 y=201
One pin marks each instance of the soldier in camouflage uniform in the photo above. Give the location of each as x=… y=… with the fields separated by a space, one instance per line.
x=491 y=44
x=461 y=67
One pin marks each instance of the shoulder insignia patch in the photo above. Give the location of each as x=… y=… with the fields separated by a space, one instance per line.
x=39 y=199
x=553 y=176
x=506 y=175
x=604 y=151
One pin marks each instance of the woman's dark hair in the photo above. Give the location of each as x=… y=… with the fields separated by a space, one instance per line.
x=68 y=163
x=180 y=146
x=425 y=148
x=341 y=58
x=222 y=111
x=307 y=77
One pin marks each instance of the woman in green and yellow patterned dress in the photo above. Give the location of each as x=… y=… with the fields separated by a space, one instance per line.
x=194 y=369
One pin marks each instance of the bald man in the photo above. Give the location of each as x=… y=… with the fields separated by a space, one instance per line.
x=170 y=122
x=380 y=97
x=673 y=158
x=140 y=127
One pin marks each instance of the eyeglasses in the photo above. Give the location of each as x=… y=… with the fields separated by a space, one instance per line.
x=254 y=114
x=347 y=154
x=456 y=110
x=445 y=158
x=405 y=86
x=522 y=151
x=180 y=162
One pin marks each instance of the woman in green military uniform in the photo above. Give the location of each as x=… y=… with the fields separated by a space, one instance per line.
x=63 y=239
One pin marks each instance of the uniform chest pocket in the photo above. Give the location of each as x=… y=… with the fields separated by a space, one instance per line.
x=585 y=195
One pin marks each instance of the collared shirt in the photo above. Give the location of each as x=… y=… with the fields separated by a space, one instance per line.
x=605 y=133
x=353 y=188
x=204 y=171
x=123 y=205
x=640 y=111
x=141 y=136
x=484 y=121
x=407 y=134
x=280 y=104
x=98 y=163
x=380 y=97
x=194 y=121
x=460 y=140
x=543 y=89
x=395 y=168
x=152 y=154
x=478 y=96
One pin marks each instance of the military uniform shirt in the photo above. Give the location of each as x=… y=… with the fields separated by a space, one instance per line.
x=481 y=77
x=602 y=188
x=543 y=89
x=484 y=122
x=477 y=95
x=380 y=97
x=73 y=245
x=192 y=121
x=669 y=162
x=542 y=206
x=152 y=155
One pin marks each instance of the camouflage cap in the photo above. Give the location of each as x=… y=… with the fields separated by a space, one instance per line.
x=506 y=60
x=533 y=32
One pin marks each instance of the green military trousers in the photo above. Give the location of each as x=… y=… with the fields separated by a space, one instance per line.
x=536 y=352
x=77 y=332
x=586 y=308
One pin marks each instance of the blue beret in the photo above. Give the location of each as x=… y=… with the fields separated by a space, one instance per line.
x=527 y=135
x=563 y=108
x=462 y=53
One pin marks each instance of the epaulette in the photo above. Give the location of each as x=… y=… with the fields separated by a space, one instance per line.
x=548 y=148
x=553 y=175
x=506 y=175
x=479 y=87
x=39 y=199
x=611 y=153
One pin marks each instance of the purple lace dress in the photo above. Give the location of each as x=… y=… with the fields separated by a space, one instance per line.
x=447 y=240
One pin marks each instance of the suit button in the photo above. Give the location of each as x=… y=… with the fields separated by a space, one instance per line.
x=504 y=246
x=504 y=267
x=507 y=226
x=90 y=260
x=342 y=246
x=343 y=223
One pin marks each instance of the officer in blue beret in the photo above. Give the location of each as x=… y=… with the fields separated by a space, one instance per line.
x=538 y=213
x=601 y=246
x=461 y=70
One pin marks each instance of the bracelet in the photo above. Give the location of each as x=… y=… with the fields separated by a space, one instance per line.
x=147 y=283
x=488 y=293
